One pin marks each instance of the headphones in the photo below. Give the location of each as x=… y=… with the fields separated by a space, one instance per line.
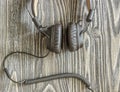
x=74 y=33
x=74 y=36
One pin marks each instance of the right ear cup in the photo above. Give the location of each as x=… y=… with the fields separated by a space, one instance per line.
x=55 y=38
x=74 y=36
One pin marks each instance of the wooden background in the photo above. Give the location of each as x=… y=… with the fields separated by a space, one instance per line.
x=98 y=60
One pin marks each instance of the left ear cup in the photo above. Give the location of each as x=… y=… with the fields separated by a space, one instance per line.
x=55 y=38
x=74 y=38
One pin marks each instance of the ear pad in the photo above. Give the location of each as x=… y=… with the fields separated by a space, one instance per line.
x=55 y=39
x=74 y=36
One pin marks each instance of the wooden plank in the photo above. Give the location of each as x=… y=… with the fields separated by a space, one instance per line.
x=98 y=60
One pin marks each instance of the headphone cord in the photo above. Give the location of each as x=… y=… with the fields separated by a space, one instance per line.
x=46 y=78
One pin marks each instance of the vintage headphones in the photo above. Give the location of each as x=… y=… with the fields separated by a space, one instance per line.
x=74 y=36
x=74 y=33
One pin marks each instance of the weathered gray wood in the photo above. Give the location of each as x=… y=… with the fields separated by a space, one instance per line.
x=98 y=60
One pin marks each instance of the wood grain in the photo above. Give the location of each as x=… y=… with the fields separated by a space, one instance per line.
x=98 y=60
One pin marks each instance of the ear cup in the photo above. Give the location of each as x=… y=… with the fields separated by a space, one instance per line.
x=55 y=39
x=74 y=38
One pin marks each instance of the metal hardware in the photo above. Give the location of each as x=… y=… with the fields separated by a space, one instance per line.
x=37 y=24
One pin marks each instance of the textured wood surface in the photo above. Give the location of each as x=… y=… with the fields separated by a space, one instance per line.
x=98 y=60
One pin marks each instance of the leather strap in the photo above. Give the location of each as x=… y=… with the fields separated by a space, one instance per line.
x=88 y=3
x=34 y=5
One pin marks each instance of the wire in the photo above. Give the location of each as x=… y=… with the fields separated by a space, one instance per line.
x=46 y=78
x=18 y=52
